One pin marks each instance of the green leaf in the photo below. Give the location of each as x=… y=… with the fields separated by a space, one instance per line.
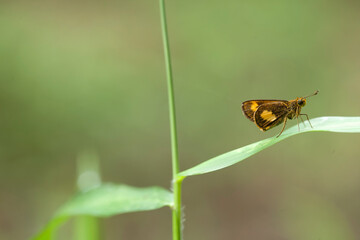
x=108 y=200
x=330 y=124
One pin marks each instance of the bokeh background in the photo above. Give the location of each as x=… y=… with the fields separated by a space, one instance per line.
x=89 y=76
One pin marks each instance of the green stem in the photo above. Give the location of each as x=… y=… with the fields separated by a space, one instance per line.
x=176 y=211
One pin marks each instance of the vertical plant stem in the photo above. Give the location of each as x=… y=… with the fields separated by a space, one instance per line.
x=176 y=211
x=87 y=227
x=176 y=214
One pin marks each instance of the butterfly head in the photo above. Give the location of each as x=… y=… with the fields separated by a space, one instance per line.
x=301 y=102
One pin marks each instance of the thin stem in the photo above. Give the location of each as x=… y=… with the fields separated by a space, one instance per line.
x=176 y=211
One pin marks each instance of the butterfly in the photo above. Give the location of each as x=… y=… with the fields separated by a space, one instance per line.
x=267 y=114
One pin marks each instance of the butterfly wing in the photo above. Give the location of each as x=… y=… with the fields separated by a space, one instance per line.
x=249 y=107
x=269 y=115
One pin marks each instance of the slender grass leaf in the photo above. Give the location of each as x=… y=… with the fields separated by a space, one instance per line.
x=329 y=124
x=108 y=200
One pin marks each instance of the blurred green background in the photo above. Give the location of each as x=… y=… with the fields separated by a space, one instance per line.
x=90 y=76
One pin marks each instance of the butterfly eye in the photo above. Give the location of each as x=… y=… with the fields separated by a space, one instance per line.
x=301 y=102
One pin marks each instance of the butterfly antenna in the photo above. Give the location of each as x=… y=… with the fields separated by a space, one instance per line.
x=315 y=93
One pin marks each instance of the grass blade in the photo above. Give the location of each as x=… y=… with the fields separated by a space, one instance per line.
x=329 y=124
x=108 y=200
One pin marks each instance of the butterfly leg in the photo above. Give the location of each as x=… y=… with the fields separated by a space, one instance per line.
x=282 y=127
x=307 y=118
x=302 y=120
x=297 y=119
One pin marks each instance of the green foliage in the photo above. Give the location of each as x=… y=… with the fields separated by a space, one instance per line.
x=108 y=200
x=330 y=124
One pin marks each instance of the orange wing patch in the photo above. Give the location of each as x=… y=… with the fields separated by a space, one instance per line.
x=254 y=106
x=268 y=116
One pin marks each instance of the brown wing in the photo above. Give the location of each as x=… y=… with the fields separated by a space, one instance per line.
x=270 y=115
x=250 y=107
